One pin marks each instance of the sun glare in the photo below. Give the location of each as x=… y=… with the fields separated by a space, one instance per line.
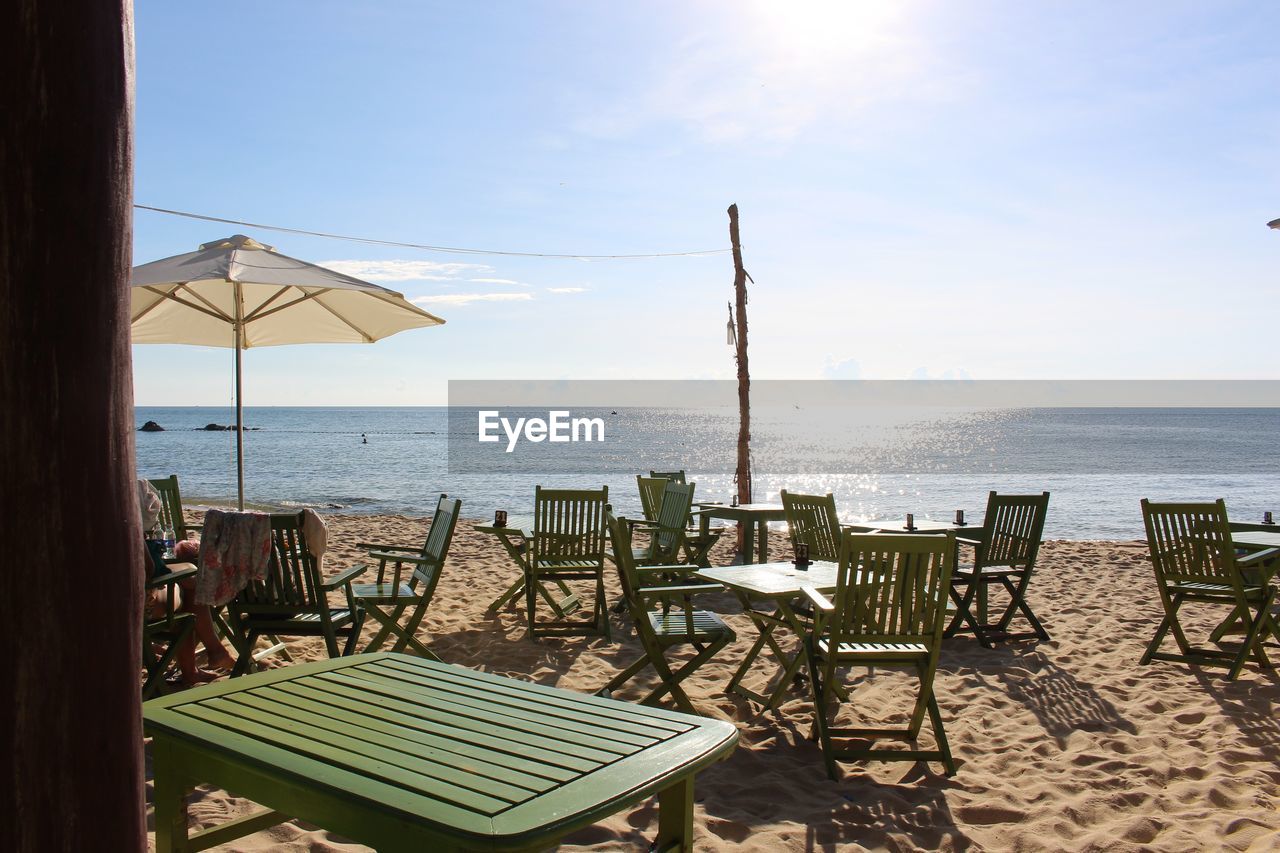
x=823 y=30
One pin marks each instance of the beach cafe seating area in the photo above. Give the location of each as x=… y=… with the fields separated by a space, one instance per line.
x=395 y=738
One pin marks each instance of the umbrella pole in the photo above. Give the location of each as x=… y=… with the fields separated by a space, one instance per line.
x=239 y=429
x=239 y=332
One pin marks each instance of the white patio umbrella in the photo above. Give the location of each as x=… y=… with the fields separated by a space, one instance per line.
x=238 y=293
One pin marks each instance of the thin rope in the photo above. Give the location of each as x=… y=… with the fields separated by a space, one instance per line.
x=449 y=249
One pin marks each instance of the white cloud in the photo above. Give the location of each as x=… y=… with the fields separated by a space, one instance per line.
x=567 y=289
x=468 y=298
x=397 y=270
x=837 y=368
x=499 y=281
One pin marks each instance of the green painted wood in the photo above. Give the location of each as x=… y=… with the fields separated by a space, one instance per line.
x=1005 y=555
x=567 y=546
x=1194 y=555
x=292 y=599
x=171 y=516
x=812 y=520
x=165 y=631
x=754 y=517
x=888 y=610
x=553 y=721
x=650 y=489
x=302 y=742
x=393 y=594
x=658 y=632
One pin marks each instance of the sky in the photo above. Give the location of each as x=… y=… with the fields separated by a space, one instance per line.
x=991 y=190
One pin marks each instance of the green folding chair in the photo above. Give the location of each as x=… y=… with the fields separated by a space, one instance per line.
x=667 y=529
x=163 y=633
x=888 y=611
x=664 y=629
x=387 y=599
x=651 y=489
x=568 y=546
x=1005 y=555
x=812 y=520
x=1194 y=560
x=172 y=517
x=674 y=476
x=292 y=600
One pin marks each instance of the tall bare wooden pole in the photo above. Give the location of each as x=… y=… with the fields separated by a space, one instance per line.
x=744 y=376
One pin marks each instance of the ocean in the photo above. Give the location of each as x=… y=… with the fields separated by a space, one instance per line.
x=1096 y=462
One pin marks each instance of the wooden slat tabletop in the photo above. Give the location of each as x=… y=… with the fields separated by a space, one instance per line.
x=899 y=525
x=522 y=524
x=774 y=580
x=1256 y=538
x=425 y=742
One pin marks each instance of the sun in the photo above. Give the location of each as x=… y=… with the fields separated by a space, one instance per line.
x=822 y=30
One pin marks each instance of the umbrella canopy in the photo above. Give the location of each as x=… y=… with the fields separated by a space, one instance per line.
x=239 y=293
x=198 y=297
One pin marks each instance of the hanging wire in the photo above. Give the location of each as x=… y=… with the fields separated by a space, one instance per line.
x=448 y=249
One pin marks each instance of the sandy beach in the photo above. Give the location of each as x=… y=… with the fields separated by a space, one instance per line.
x=1061 y=745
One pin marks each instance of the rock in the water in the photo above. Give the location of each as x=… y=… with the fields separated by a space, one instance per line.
x=215 y=428
x=151 y=426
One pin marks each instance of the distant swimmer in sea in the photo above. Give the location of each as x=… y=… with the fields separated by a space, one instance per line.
x=364 y=439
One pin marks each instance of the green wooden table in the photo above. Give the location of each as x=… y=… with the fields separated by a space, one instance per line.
x=754 y=517
x=779 y=583
x=402 y=753
x=1253 y=537
x=1256 y=540
x=515 y=537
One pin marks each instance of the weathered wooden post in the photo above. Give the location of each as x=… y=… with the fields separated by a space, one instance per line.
x=71 y=570
x=742 y=474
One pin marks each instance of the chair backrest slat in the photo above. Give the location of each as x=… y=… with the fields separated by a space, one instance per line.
x=1012 y=530
x=676 y=476
x=569 y=524
x=812 y=520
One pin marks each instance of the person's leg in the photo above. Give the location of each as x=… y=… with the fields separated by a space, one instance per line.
x=191 y=674
x=219 y=657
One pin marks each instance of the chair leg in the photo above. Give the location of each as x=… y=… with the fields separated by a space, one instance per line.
x=415 y=621
x=353 y=638
x=821 y=726
x=671 y=679
x=964 y=613
x=159 y=666
x=1018 y=603
x=940 y=734
x=531 y=603
x=1253 y=639
x=245 y=659
x=385 y=631
x=602 y=609
x=624 y=676
x=670 y=684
